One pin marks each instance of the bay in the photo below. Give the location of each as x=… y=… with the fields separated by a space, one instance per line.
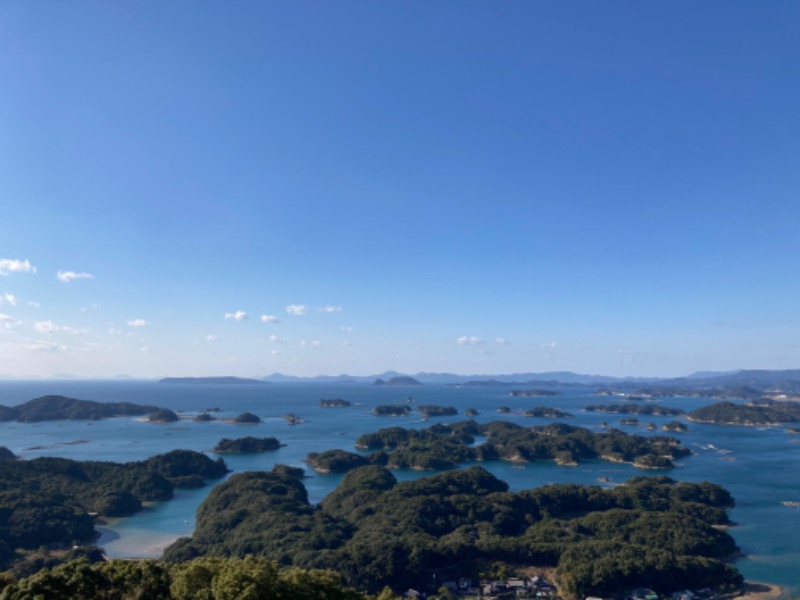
x=759 y=465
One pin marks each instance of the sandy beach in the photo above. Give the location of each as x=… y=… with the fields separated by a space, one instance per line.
x=761 y=591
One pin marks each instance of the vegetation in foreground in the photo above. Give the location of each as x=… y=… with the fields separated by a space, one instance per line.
x=376 y=532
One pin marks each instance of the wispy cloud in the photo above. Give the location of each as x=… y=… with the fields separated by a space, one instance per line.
x=276 y=339
x=270 y=319
x=7 y=322
x=11 y=265
x=42 y=346
x=33 y=303
x=211 y=338
x=330 y=309
x=50 y=327
x=138 y=323
x=500 y=341
x=113 y=331
x=311 y=344
x=297 y=309
x=9 y=298
x=67 y=276
x=551 y=345
x=469 y=340
x=239 y=315
x=347 y=329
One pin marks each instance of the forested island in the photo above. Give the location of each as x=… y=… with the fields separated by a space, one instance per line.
x=375 y=532
x=334 y=403
x=431 y=410
x=246 y=445
x=400 y=381
x=51 y=501
x=532 y=393
x=448 y=446
x=728 y=413
x=61 y=408
x=634 y=409
x=547 y=412
x=391 y=410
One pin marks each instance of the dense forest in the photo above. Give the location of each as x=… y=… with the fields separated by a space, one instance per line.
x=51 y=502
x=57 y=408
x=728 y=413
x=250 y=578
x=444 y=446
x=375 y=532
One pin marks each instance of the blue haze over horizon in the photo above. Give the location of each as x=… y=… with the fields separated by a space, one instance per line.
x=464 y=187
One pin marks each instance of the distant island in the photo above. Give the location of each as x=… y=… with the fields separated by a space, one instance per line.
x=547 y=412
x=728 y=413
x=432 y=410
x=62 y=408
x=247 y=445
x=634 y=409
x=391 y=410
x=214 y=380
x=532 y=393
x=333 y=403
x=401 y=381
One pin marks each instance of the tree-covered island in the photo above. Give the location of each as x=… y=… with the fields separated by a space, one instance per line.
x=60 y=408
x=728 y=413
x=334 y=403
x=546 y=412
x=247 y=445
x=634 y=409
x=51 y=502
x=374 y=531
x=445 y=446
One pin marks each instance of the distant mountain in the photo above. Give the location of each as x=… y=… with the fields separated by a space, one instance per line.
x=757 y=378
x=214 y=380
x=399 y=381
x=710 y=374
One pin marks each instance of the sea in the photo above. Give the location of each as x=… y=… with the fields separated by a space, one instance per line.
x=760 y=466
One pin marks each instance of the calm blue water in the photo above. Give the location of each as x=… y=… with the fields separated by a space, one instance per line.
x=759 y=466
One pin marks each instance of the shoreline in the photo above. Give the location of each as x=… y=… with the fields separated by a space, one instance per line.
x=759 y=590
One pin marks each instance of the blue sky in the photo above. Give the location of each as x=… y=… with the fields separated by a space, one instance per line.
x=459 y=186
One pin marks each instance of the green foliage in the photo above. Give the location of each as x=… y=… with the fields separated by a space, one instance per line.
x=163 y=415
x=728 y=413
x=431 y=410
x=247 y=444
x=375 y=531
x=55 y=408
x=247 y=418
x=250 y=578
x=391 y=410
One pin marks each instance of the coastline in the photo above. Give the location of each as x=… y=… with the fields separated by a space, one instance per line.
x=759 y=590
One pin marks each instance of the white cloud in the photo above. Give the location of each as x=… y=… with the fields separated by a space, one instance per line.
x=277 y=340
x=276 y=353
x=239 y=315
x=7 y=322
x=297 y=309
x=33 y=303
x=270 y=319
x=50 y=327
x=144 y=349
x=113 y=331
x=67 y=276
x=330 y=309
x=347 y=329
x=551 y=345
x=211 y=338
x=10 y=265
x=500 y=341
x=312 y=344
x=469 y=341
x=138 y=323
x=347 y=343
x=41 y=346
x=10 y=298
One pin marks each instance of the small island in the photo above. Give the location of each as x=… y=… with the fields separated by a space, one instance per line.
x=335 y=461
x=391 y=410
x=547 y=413
x=247 y=418
x=6 y=454
x=471 y=412
x=247 y=445
x=634 y=409
x=675 y=426
x=630 y=421
x=728 y=413
x=334 y=403
x=164 y=415
x=204 y=417
x=431 y=410
x=63 y=408
x=503 y=410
